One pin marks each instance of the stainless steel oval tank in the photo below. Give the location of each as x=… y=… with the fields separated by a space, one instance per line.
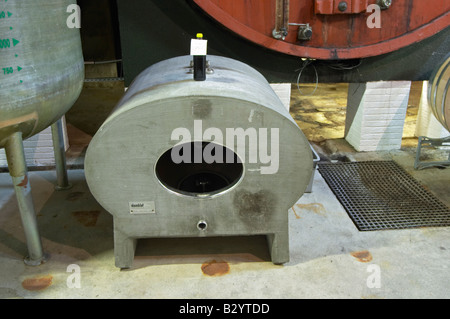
x=41 y=65
x=131 y=170
x=439 y=93
x=41 y=76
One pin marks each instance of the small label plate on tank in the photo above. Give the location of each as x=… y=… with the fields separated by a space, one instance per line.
x=199 y=47
x=139 y=208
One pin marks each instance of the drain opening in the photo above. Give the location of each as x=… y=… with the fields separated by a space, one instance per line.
x=199 y=169
x=202 y=225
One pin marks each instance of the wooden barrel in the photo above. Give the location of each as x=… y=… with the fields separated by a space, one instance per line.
x=331 y=29
x=439 y=95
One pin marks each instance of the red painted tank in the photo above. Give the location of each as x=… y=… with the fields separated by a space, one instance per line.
x=331 y=29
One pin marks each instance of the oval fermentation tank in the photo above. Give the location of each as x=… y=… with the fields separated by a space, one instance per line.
x=41 y=76
x=261 y=161
x=347 y=46
x=330 y=29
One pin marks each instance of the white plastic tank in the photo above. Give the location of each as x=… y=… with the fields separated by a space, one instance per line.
x=41 y=76
x=41 y=65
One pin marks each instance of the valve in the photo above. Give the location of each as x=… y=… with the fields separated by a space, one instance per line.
x=384 y=4
x=304 y=32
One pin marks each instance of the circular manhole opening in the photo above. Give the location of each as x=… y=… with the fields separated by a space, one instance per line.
x=199 y=169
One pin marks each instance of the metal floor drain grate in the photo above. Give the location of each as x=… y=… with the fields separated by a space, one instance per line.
x=380 y=195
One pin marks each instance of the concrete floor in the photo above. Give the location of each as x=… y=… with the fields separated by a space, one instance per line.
x=330 y=258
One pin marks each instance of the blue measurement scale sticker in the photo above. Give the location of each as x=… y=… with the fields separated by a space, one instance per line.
x=7 y=40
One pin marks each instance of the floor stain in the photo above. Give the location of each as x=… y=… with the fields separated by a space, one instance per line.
x=295 y=213
x=37 y=283
x=362 y=256
x=74 y=196
x=215 y=268
x=87 y=218
x=316 y=208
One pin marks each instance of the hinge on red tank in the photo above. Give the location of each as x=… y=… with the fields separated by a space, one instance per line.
x=347 y=6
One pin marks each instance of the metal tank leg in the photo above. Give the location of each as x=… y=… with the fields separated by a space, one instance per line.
x=19 y=173
x=279 y=247
x=60 y=156
x=426 y=142
x=124 y=248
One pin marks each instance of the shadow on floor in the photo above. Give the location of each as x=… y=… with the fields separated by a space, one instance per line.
x=233 y=249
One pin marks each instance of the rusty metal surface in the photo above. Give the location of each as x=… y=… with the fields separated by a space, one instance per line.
x=380 y=195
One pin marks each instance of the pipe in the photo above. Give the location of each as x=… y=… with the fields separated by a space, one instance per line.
x=102 y=62
x=281 y=19
x=18 y=170
x=286 y=14
x=60 y=156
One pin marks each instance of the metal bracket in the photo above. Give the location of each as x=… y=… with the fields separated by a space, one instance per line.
x=347 y=6
x=426 y=142
x=209 y=69
x=281 y=20
x=281 y=34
